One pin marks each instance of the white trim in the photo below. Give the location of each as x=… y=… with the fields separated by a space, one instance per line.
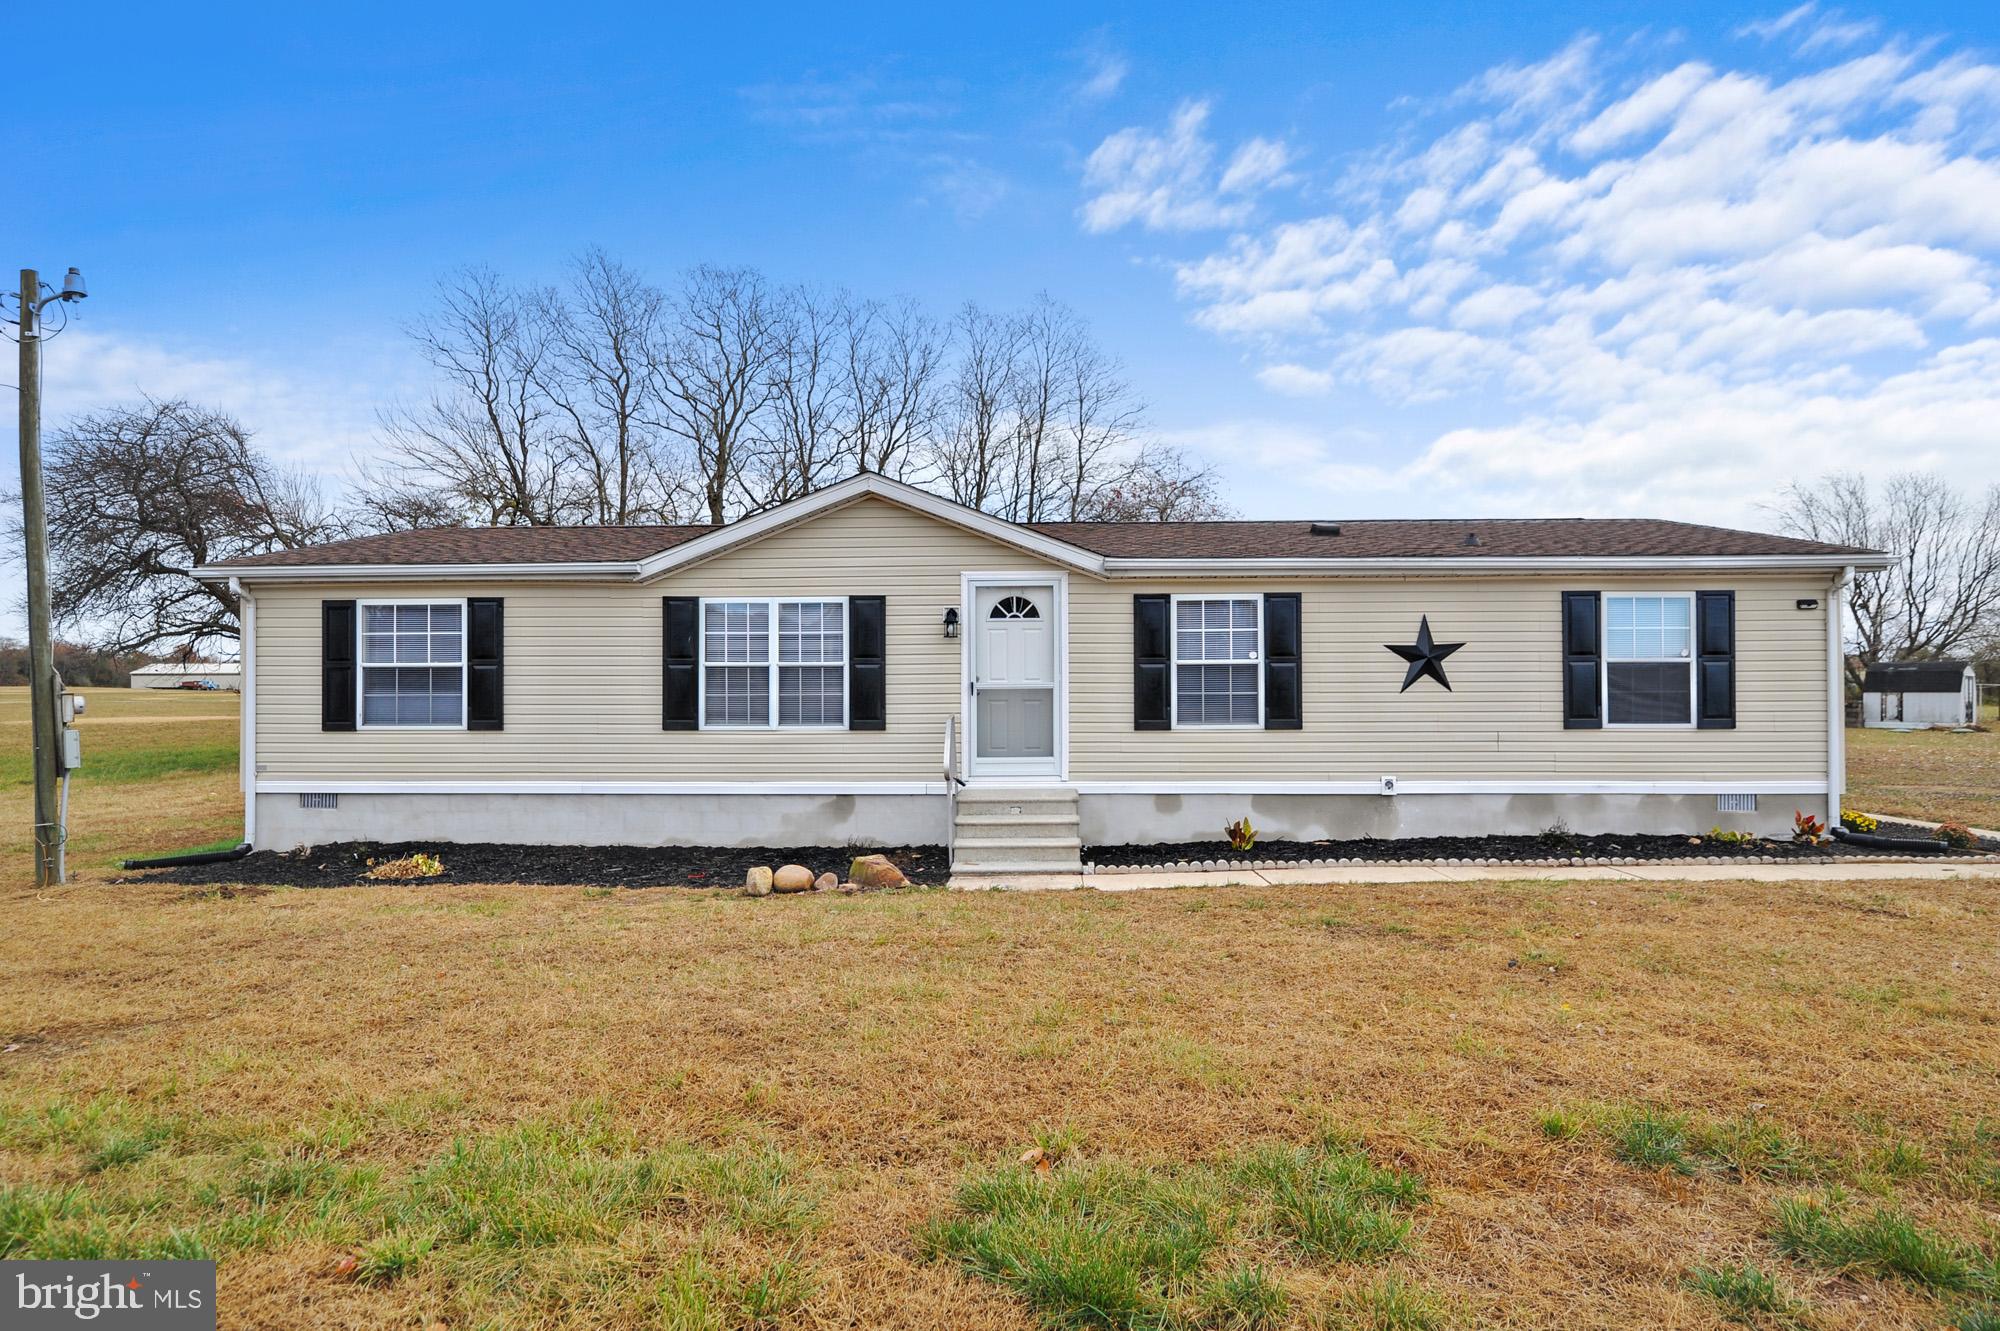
x=1418 y=566
x=1802 y=786
x=1836 y=695
x=246 y=702
x=1174 y=660
x=867 y=485
x=1604 y=599
x=968 y=620
x=594 y=570
x=294 y=786
x=771 y=662
x=362 y=665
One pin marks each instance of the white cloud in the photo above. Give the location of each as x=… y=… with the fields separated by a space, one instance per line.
x=1105 y=75
x=1168 y=181
x=1295 y=380
x=1668 y=288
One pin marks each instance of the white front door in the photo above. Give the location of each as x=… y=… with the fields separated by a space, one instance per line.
x=1014 y=677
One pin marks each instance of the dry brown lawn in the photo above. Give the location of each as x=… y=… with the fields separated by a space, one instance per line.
x=1929 y=774
x=421 y=1106
x=887 y=1044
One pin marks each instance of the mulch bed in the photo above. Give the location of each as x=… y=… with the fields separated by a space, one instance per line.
x=346 y=863
x=1505 y=848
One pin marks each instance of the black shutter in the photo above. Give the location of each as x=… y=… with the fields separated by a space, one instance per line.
x=1282 y=685
x=1715 y=660
x=867 y=653
x=680 y=690
x=1583 y=662
x=336 y=665
x=1152 y=663
x=485 y=653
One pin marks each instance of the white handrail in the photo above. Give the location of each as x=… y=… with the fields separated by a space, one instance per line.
x=951 y=784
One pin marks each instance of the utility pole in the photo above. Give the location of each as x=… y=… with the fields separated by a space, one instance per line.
x=41 y=643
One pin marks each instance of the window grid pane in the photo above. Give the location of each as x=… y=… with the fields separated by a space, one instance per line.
x=412 y=665
x=810 y=696
x=738 y=695
x=1648 y=628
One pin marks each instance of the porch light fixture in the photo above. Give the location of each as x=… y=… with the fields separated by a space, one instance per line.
x=951 y=621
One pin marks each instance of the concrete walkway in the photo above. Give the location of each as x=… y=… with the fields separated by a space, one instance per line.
x=1470 y=873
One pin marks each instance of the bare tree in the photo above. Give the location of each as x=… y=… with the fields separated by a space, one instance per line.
x=716 y=378
x=1943 y=593
x=1046 y=341
x=141 y=496
x=1098 y=429
x=894 y=354
x=1162 y=484
x=968 y=455
x=604 y=337
x=809 y=436
x=481 y=450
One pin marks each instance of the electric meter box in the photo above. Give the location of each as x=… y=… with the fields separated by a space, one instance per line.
x=72 y=750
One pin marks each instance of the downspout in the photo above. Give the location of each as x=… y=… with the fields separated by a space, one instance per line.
x=1836 y=695
x=246 y=761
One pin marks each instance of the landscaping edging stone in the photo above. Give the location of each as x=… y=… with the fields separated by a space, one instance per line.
x=1574 y=862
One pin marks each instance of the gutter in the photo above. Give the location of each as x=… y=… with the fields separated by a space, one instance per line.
x=246 y=706
x=622 y=571
x=1409 y=566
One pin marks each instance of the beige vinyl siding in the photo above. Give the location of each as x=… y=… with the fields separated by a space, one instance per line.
x=583 y=668
x=583 y=679
x=1501 y=721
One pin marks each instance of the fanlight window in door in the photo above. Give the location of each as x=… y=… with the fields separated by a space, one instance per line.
x=1014 y=607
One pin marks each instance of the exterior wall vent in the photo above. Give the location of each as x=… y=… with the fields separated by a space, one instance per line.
x=1736 y=804
x=319 y=801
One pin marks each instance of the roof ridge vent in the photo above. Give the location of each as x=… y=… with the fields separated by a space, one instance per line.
x=1326 y=529
x=1472 y=538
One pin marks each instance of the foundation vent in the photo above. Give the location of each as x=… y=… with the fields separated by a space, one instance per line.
x=1736 y=804
x=319 y=801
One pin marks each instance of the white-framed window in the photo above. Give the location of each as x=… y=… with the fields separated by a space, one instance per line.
x=1649 y=659
x=1218 y=655
x=773 y=662
x=412 y=665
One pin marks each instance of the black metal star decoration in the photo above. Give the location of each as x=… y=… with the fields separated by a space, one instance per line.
x=1425 y=657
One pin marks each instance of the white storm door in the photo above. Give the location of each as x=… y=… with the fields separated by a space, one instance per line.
x=1014 y=679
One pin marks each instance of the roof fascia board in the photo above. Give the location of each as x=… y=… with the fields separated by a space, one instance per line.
x=772 y=520
x=597 y=572
x=1418 y=566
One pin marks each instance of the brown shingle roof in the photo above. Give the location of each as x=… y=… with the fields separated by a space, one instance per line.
x=1427 y=538
x=482 y=545
x=1367 y=538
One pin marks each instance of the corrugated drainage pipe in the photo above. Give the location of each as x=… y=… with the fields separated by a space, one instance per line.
x=198 y=857
x=1889 y=842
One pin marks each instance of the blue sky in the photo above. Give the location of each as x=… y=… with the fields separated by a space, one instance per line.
x=1369 y=259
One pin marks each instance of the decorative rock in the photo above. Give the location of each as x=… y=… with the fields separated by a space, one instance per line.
x=876 y=871
x=792 y=878
x=757 y=883
x=824 y=881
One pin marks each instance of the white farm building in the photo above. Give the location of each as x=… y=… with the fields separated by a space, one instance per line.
x=1909 y=695
x=223 y=674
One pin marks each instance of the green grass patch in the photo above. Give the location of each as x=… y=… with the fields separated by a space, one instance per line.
x=1652 y=1137
x=122 y=764
x=1393 y=1304
x=1884 y=1243
x=542 y=1216
x=1746 y=1294
x=1114 y=1243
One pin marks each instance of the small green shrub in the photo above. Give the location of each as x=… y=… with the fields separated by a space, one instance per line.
x=1559 y=1125
x=1956 y=835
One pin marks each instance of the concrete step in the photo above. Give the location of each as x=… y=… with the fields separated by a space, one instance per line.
x=1018 y=848
x=1012 y=826
x=1021 y=807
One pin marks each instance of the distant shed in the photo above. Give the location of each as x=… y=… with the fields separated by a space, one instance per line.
x=222 y=674
x=1909 y=695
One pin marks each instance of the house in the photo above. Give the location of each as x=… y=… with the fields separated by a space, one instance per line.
x=829 y=670
x=1909 y=695
x=164 y=675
